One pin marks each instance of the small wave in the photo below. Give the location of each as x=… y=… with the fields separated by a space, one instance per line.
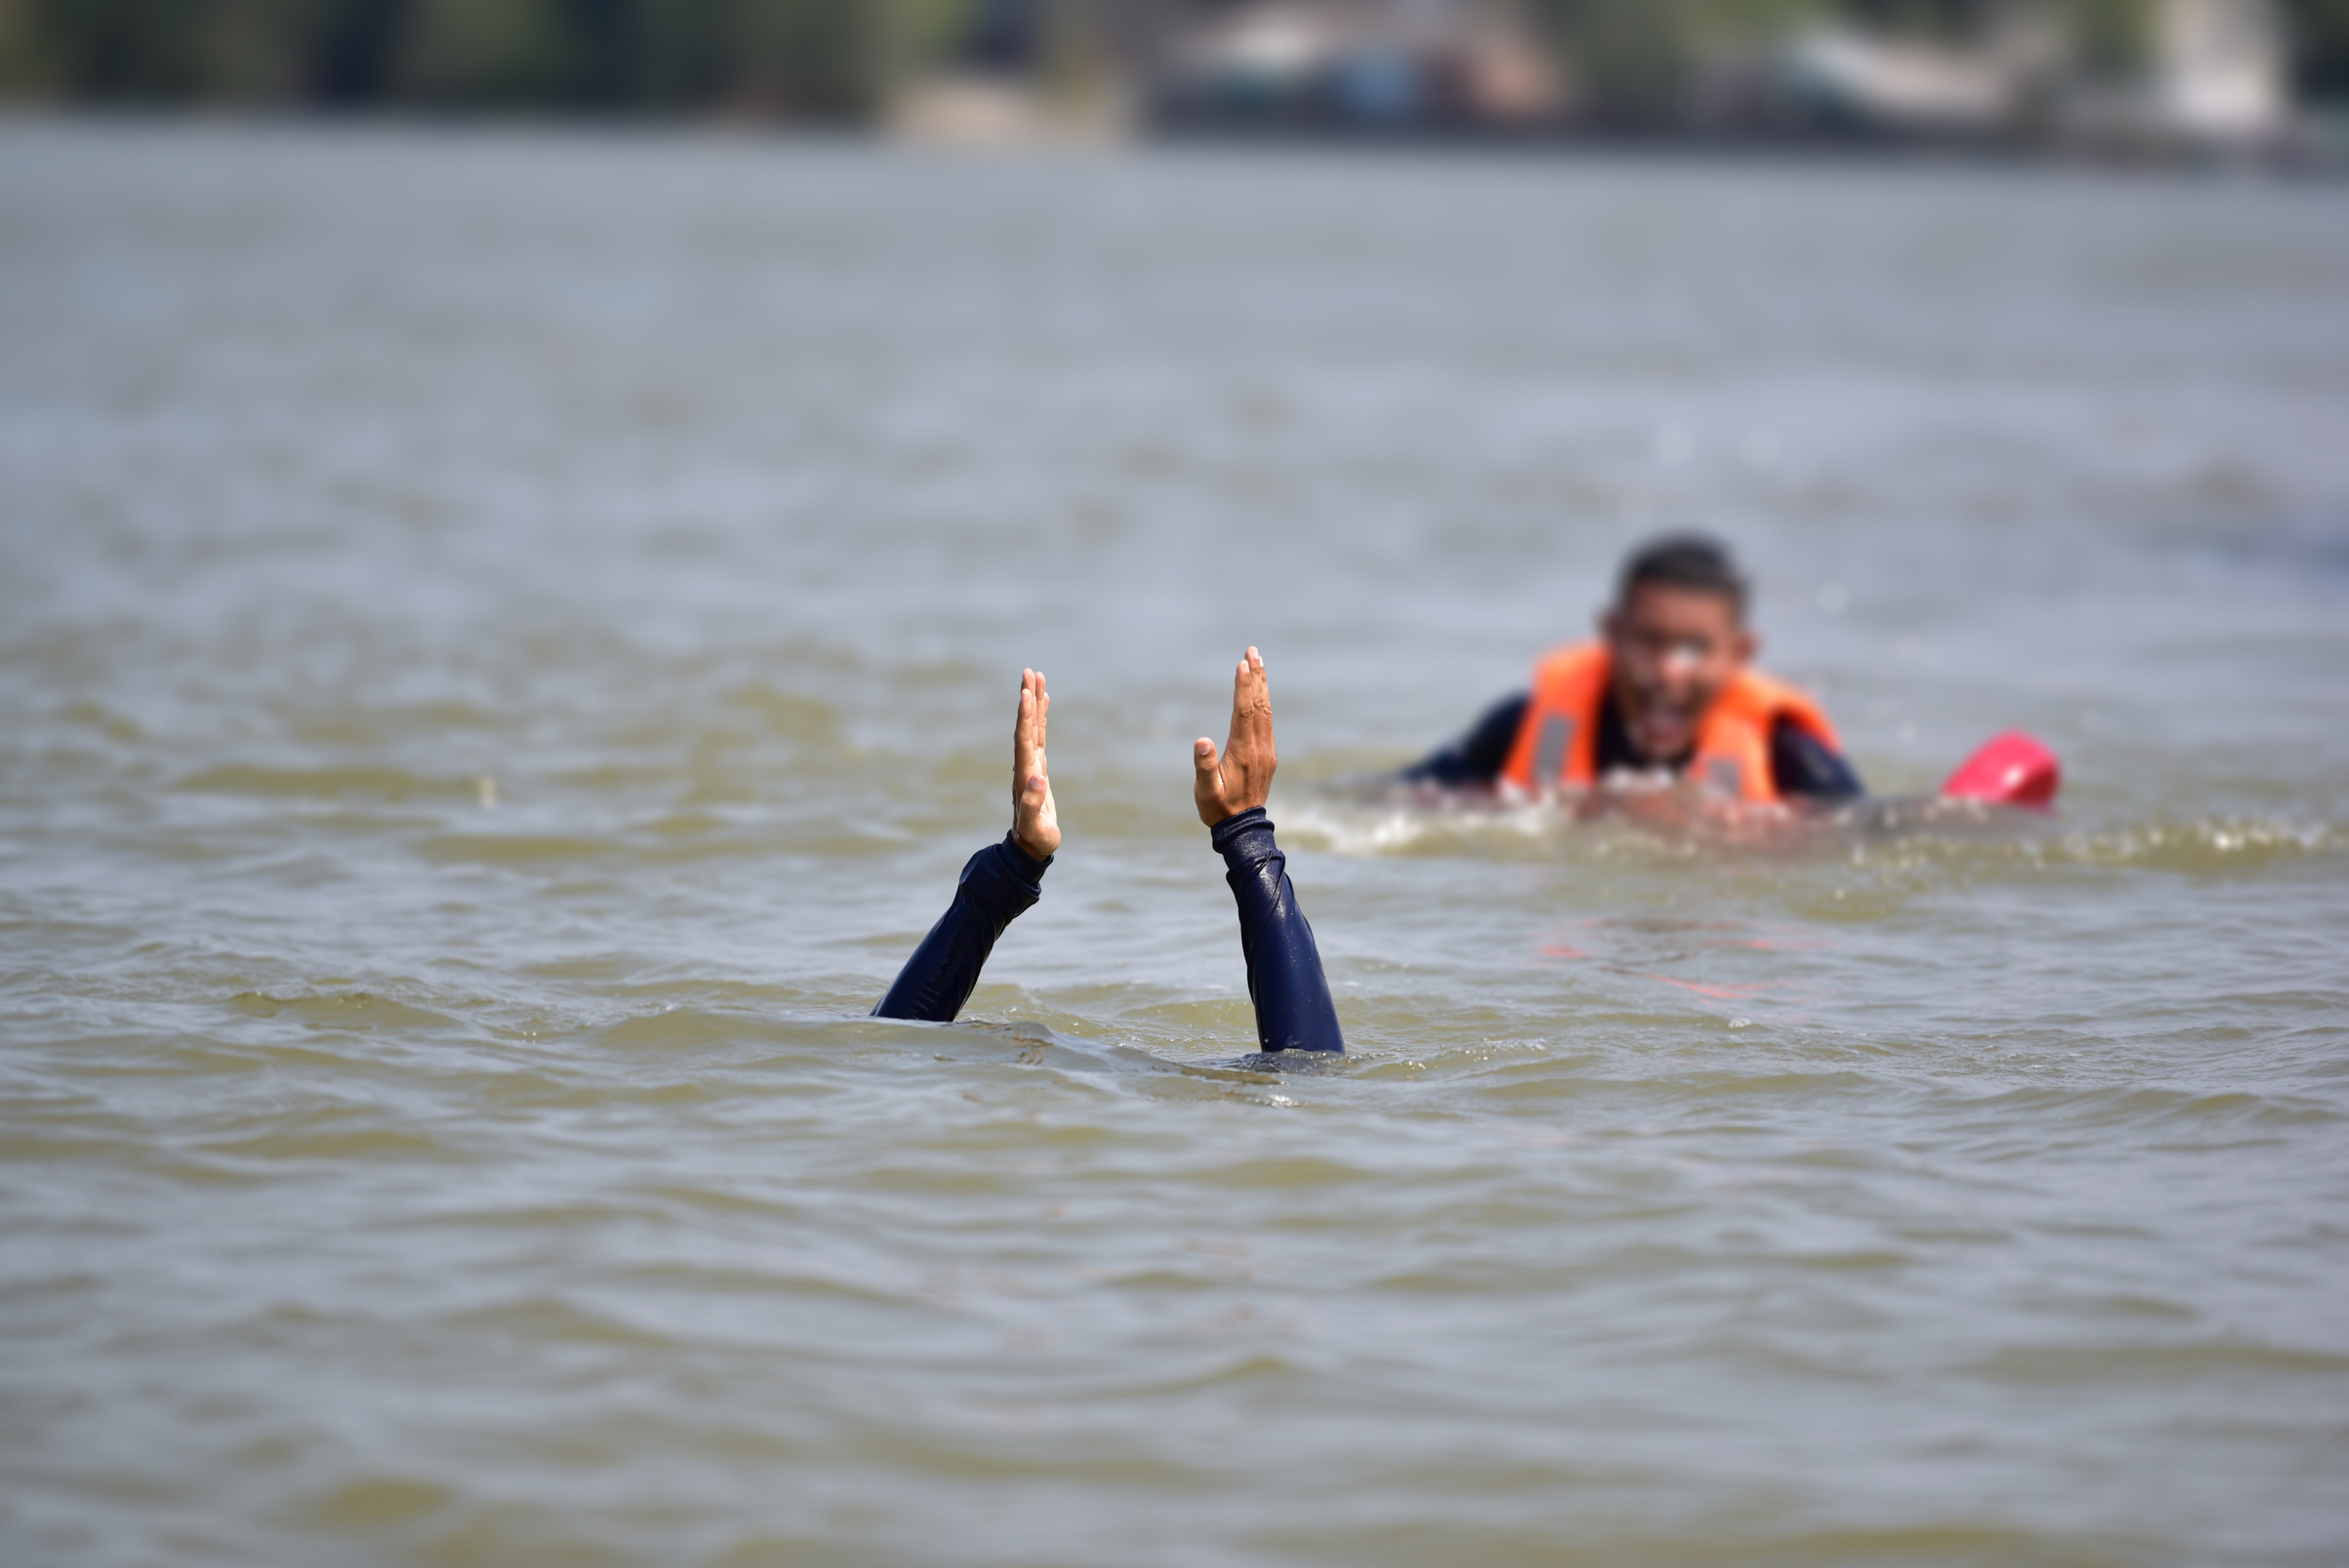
x=321 y=1139
x=326 y=783
x=2159 y=1364
x=1890 y=833
x=548 y=1319
x=2210 y=843
x=2206 y=846
x=341 y=1009
x=372 y=1501
x=1438 y=824
x=789 y=715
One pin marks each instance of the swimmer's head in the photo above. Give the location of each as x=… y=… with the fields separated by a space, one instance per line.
x=1678 y=635
x=1689 y=562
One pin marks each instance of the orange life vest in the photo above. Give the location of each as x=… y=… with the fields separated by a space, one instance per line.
x=1558 y=741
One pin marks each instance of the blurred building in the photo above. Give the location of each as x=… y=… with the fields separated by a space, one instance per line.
x=2128 y=75
x=1025 y=68
x=1844 y=81
x=2161 y=75
x=2217 y=77
x=1360 y=65
x=2200 y=75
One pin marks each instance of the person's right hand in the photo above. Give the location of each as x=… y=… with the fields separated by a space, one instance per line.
x=1242 y=778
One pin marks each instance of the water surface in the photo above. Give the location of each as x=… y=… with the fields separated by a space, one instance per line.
x=504 y=641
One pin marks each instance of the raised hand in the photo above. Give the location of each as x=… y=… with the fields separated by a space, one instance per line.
x=1034 y=819
x=1242 y=776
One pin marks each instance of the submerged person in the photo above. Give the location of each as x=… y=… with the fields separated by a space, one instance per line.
x=1002 y=881
x=1668 y=691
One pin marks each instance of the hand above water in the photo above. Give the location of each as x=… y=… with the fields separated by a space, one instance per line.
x=1242 y=777
x=1034 y=819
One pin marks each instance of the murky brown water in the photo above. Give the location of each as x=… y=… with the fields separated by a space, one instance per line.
x=505 y=639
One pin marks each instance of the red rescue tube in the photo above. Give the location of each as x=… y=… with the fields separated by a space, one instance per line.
x=2012 y=769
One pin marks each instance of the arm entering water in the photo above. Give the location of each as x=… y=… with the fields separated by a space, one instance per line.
x=1285 y=980
x=998 y=884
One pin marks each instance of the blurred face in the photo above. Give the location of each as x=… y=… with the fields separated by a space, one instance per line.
x=1673 y=649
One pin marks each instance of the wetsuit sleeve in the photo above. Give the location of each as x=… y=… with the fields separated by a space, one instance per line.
x=1478 y=756
x=1802 y=764
x=998 y=884
x=1286 y=982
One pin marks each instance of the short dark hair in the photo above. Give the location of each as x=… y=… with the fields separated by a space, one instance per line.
x=1689 y=561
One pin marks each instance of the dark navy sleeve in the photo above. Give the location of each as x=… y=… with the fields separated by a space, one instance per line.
x=1802 y=764
x=1478 y=756
x=998 y=884
x=1286 y=982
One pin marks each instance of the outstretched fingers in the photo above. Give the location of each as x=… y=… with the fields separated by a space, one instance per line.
x=1034 y=821
x=1252 y=707
x=1023 y=724
x=1028 y=731
x=1238 y=778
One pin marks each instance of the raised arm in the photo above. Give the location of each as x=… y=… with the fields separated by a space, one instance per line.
x=998 y=884
x=1286 y=982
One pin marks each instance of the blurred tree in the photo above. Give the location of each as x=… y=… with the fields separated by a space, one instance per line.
x=354 y=52
x=2113 y=37
x=2319 y=35
x=1632 y=57
x=19 y=59
x=808 y=59
x=471 y=52
x=825 y=59
x=115 y=50
x=1635 y=62
x=1935 y=20
x=921 y=32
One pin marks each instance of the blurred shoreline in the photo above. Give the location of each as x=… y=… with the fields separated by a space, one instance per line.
x=1052 y=138
x=2229 y=84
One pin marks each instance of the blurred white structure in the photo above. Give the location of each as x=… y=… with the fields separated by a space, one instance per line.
x=1366 y=64
x=2211 y=76
x=1852 y=79
x=2217 y=79
x=2214 y=77
x=2220 y=71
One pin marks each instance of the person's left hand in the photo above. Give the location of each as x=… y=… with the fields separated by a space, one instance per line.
x=1034 y=819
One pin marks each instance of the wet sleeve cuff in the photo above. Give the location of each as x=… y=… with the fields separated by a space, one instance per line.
x=1003 y=879
x=1022 y=864
x=1244 y=839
